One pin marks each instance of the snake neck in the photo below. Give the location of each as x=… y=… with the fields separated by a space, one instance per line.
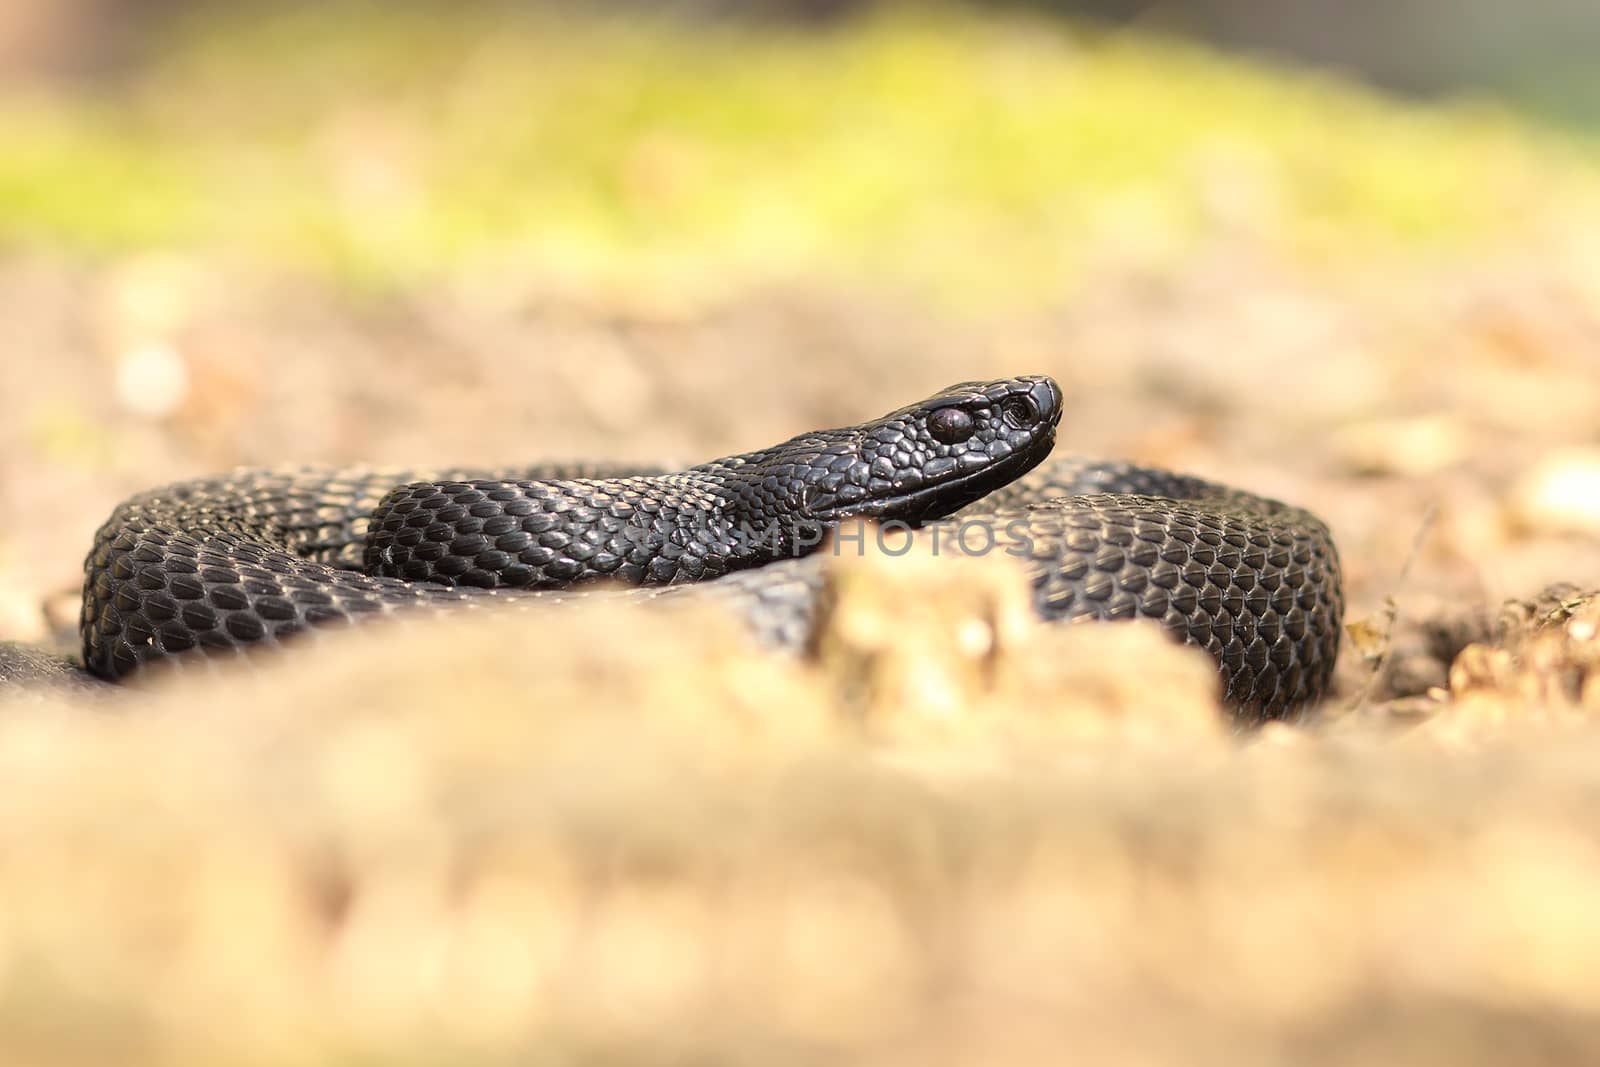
x=914 y=464
x=654 y=530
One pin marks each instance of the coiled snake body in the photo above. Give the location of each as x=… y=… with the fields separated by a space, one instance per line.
x=215 y=566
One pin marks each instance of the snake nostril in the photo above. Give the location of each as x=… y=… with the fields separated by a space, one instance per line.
x=1020 y=412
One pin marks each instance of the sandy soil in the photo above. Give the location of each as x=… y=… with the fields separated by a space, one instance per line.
x=645 y=840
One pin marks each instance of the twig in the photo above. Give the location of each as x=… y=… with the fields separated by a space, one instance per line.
x=1391 y=612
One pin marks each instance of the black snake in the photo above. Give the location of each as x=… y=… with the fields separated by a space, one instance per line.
x=213 y=567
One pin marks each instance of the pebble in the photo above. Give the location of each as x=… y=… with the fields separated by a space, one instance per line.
x=152 y=379
x=1559 y=494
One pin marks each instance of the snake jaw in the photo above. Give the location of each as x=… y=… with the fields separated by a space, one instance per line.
x=921 y=503
x=919 y=463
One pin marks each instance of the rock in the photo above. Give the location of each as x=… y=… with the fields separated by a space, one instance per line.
x=926 y=648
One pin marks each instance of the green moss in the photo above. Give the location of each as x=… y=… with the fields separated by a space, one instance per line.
x=924 y=146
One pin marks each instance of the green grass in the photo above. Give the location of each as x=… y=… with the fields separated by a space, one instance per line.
x=927 y=147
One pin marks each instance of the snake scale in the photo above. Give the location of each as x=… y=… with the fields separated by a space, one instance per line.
x=213 y=567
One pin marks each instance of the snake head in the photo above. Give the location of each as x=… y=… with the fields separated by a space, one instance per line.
x=925 y=460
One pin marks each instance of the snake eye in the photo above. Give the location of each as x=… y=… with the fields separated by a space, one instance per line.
x=1020 y=412
x=950 y=426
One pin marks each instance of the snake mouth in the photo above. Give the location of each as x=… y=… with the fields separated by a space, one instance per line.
x=938 y=499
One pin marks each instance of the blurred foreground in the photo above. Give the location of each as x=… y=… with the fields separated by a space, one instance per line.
x=633 y=838
x=949 y=835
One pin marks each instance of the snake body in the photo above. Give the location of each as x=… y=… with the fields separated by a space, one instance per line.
x=1252 y=581
x=216 y=566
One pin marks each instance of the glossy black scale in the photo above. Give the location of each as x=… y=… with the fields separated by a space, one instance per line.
x=213 y=567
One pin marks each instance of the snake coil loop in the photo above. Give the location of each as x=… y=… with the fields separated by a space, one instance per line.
x=218 y=565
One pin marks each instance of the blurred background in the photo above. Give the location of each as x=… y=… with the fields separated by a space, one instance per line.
x=1536 y=55
x=1271 y=242
x=1345 y=254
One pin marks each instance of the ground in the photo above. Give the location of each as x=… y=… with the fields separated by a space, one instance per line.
x=973 y=839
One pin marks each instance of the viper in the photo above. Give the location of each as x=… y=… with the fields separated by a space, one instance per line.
x=216 y=566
